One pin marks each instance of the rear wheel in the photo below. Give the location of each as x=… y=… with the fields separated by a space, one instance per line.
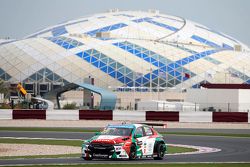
x=132 y=154
x=160 y=152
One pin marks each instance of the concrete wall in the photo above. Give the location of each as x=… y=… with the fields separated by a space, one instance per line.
x=244 y=100
x=62 y=115
x=126 y=115
x=5 y=114
x=126 y=100
x=223 y=99
x=248 y=117
x=195 y=116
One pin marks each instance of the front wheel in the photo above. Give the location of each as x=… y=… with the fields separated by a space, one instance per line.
x=160 y=152
x=132 y=154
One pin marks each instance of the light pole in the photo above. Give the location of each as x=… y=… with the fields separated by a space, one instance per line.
x=158 y=84
x=225 y=77
x=150 y=83
x=134 y=89
x=244 y=75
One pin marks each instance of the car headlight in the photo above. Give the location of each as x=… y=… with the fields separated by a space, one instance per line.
x=119 y=146
x=85 y=145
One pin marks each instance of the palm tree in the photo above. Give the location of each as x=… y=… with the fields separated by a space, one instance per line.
x=4 y=88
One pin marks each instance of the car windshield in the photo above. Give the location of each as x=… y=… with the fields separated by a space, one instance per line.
x=117 y=131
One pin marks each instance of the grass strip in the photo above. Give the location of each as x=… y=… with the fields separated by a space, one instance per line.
x=42 y=156
x=48 y=129
x=206 y=134
x=175 y=149
x=171 y=149
x=43 y=142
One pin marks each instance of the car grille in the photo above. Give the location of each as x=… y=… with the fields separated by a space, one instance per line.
x=106 y=149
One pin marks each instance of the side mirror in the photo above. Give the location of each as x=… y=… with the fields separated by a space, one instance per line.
x=97 y=133
x=138 y=135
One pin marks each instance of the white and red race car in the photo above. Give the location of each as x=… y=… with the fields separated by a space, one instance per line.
x=125 y=141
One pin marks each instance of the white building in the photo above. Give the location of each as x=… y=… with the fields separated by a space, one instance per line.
x=229 y=100
x=125 y=51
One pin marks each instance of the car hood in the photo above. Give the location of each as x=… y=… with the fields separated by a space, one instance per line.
x=109 y=139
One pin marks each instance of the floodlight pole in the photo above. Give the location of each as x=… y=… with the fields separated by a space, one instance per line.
x=158 y=86
x=244 y=76
x=150 y=83
x=134 y=89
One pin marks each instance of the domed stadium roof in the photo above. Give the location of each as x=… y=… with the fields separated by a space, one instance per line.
x=127 y=48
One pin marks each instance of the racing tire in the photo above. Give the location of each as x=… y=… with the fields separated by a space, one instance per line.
x=132 y=153
x=160 y=152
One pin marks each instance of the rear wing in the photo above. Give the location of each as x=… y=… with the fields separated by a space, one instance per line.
x=152 y=124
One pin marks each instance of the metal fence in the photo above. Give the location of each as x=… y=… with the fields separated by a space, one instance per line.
x=161 y=106
x=183 y=106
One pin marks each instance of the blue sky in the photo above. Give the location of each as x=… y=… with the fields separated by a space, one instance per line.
x=23 y=17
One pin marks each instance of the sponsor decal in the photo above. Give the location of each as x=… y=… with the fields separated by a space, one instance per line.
x=100 y=155
x=150 y=147
x=100 y=148
x=148 y=156
x=107 y=137
x=145 y=148
x=103 y=140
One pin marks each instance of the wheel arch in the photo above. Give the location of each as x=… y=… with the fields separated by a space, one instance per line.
x=158 y=141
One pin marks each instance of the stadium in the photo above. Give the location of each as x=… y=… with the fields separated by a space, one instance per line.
x=134 y=54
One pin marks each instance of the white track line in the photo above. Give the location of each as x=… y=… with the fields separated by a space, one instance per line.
x=200 y=149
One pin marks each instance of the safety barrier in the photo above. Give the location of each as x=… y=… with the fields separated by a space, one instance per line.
x=5 y=114
x=195 y=116
x=29 y=114
x=230 y=117
x=96 y=114
x=248 y=117
x=125 y=115
x=162 y=116
x=62 y=115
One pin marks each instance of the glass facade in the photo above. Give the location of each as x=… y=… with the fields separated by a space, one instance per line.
x=143 y=50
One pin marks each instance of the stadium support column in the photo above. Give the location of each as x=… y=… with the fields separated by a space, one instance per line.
x=88 y=95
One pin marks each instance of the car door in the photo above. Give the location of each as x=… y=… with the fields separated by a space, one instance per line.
x=149 y=141
x=141 y=140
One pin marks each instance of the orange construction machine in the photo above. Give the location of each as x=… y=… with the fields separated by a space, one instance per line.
x=21 y=89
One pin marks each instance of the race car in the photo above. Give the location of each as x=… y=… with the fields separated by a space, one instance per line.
x=125 y=141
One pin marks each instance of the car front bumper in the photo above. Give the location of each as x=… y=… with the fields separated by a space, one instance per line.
x=106 y=152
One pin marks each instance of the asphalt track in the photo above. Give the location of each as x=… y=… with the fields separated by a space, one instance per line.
x=233 y=149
